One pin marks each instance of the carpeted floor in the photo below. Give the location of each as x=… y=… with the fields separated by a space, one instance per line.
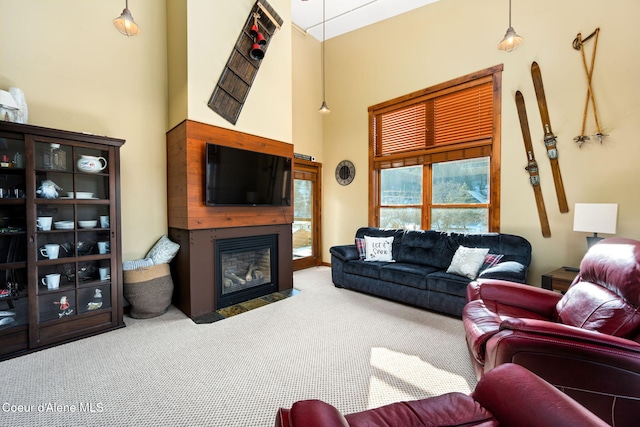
x=351 y=350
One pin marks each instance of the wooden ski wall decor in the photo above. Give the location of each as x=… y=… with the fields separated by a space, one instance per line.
x=236 y=79
x=549 y=137
x=532 y=165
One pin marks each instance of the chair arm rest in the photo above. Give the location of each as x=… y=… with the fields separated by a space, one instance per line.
x=559 y=330
x=517 y=397
x=537 y=300
x=345 y=252
x=310 y=413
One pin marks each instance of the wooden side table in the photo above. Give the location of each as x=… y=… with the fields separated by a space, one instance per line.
x=559 y=280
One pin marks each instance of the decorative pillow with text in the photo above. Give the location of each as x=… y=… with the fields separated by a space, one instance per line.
x=378 y=248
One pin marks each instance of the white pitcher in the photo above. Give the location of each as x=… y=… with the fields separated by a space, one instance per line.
x=91 y=163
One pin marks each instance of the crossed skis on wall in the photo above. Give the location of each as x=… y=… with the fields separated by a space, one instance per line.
x=550 y=144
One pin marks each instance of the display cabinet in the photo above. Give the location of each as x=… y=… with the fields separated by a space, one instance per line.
x=60 y=256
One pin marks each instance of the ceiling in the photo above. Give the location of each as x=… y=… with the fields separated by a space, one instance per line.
x=343 y=16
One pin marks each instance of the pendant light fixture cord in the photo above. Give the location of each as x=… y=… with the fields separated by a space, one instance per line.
x=323 y=43
x=323 y=109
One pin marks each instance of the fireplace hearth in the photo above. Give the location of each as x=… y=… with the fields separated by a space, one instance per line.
x=196 y=269
x=246 y=268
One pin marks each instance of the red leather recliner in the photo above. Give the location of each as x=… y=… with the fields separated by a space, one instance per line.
x=587 y=342
x=507 y=396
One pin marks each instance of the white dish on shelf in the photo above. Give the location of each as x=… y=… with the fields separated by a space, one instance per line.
x=63 y=225
x=88 y=224
x=80 y=195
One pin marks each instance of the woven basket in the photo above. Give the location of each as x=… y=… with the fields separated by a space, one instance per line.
x=148 y=290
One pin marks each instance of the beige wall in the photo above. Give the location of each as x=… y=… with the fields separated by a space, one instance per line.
x=451 y=38
x=307 y=95
x=78 y=73
x=213 y=27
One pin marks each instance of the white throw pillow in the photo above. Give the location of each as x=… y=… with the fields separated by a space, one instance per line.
x=378 y=248
x=163 y=251
x=467 y=261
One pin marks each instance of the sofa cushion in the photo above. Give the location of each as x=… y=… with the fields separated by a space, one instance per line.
x=364 y=268
x=406 y=274
x=491 y=260
x=427 y=247
x=383 y=232
x=361 y=246
x=514 y=248
x=378 y=248
x=467 y=261
x=511 y=271
x=589 y=306
x=447 y=283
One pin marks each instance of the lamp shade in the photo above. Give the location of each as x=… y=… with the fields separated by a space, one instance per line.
x=595 y=217
x=125 y=24
x=510 y=41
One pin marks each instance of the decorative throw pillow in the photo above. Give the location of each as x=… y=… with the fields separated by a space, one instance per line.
x=467 y=261
x=378 y=248
x=490 y=260
x=361 y=246
x=139 y=263
x=163 y=251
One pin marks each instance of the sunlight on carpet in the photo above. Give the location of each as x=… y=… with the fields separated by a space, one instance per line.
x=402 y=376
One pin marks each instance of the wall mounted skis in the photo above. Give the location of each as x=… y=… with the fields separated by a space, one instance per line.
x=532 y=165
x=236 y=79
x=549 y=137
x=578 y=44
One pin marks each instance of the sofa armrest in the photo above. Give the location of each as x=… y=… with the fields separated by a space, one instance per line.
x=345 y=252
x=559 y=330
x=537 y=300
x=512 y=271
x=310 y=413
x=517 y=397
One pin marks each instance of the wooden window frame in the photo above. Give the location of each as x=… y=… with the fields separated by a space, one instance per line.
x=487 y=147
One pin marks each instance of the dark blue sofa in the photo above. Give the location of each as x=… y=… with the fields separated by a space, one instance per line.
x=418 y=276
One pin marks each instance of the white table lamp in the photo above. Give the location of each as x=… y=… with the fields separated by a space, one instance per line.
x=595 y=218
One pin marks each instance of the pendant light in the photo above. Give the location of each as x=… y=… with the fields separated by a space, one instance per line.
x=511 y=40
x=324 y=109
x=125 y=23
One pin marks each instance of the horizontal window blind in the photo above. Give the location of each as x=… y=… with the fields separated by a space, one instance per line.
x=402 y=130
x=465 y=115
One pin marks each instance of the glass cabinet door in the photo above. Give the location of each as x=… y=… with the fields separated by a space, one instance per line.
x=13 y=242
x=73 y=230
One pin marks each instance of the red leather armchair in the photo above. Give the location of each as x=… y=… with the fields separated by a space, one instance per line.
x=587 y=342
x=507 y=396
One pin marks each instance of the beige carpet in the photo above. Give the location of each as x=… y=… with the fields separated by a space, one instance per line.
x=349 y=349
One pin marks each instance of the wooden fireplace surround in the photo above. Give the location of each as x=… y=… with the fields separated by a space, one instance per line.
x=196 y=226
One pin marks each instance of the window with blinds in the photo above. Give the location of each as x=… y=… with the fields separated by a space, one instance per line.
x=451 y=126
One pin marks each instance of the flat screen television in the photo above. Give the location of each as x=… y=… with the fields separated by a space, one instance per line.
x=236 y=177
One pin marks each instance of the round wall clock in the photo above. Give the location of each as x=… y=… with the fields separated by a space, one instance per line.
x=345 y=172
